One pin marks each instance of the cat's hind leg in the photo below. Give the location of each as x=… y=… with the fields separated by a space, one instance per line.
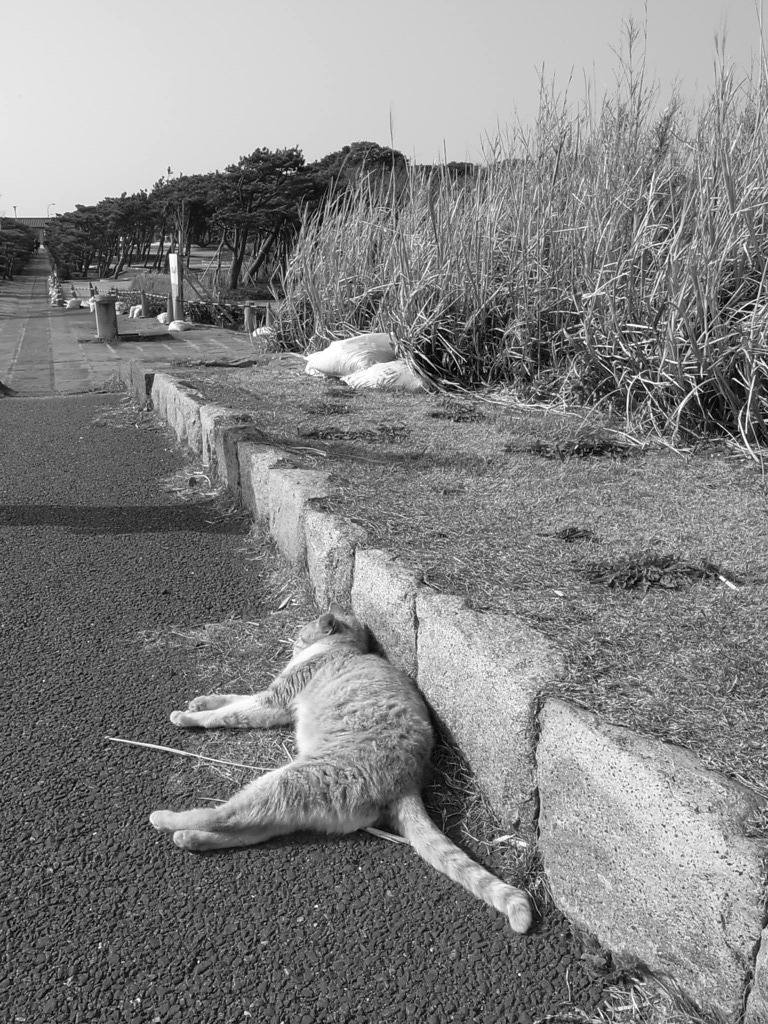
x=242 y=811
x=194 y=839
x=300 y=796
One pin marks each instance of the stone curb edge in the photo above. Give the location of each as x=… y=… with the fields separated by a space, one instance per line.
x=642 y=846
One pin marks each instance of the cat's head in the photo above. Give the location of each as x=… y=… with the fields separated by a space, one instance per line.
x=335 y=622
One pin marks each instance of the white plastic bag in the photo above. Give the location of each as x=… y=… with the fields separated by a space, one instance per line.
x=394 y=376
x=349 y=355
x=179 y=325
x=162 y=318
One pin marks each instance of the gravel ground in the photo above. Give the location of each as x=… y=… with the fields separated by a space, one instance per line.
x=104 y=919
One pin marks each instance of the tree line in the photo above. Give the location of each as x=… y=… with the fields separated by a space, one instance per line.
x=250 y=213
x=17 y=244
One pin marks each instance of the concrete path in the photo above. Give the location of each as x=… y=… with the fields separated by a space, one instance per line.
x=47 y=350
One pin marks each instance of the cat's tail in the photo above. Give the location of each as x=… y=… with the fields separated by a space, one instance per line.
x=410 y=816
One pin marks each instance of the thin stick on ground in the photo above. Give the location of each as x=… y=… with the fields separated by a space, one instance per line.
x=389 y=836
x=380 y=833
x=186 y=753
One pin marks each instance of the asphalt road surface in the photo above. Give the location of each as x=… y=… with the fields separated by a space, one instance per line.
x=104 y=919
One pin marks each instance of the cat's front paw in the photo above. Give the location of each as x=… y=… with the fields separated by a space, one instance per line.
x=211 y=701
x=183 y=718
x=201 y=703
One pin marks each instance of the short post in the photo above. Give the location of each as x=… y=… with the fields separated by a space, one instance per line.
x=106 y=317
x=248 y=318
x=176 y=266
x=144 y=305
x=270 y=318
x=169 y=307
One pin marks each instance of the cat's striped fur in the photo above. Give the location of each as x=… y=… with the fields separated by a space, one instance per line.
x=364 y=740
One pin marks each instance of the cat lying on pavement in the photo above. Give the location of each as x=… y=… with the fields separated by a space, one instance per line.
x=364 y=741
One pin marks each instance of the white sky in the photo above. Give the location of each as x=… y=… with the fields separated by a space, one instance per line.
x=100 y=98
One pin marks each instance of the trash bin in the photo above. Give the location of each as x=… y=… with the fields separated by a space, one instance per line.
x=106 y=317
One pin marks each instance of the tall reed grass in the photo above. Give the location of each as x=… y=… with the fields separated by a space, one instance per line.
x=609 y=253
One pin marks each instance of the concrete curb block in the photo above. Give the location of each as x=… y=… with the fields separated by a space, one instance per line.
x=228 y=436
x=484 y=674
x=180 y=406
x=216 y=423
x=290 y=491
x=384 y=598
x=164 y=389
x=186 y=410
x=331 y=546
x=138 y=382
x=643 y=847
x=256 y=460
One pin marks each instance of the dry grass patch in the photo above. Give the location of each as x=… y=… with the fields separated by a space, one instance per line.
x=239 y=656
x=640 y=999
x=648 y=569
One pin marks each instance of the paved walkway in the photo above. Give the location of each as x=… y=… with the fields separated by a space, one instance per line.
x=47 y=350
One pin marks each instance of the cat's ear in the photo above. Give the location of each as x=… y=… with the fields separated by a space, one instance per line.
x=336 y=610
x=327 y=623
